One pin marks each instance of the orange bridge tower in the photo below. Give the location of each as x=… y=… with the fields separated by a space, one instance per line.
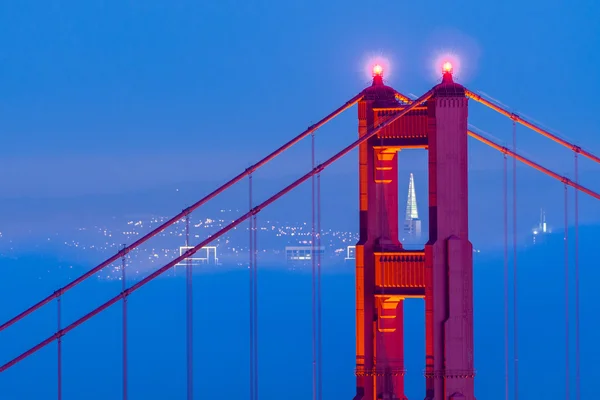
x=441 y=273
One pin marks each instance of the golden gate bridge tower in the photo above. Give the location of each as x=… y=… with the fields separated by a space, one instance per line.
x=441 y=273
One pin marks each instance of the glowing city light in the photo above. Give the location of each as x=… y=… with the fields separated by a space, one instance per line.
x=377 y=70
x=447 y=67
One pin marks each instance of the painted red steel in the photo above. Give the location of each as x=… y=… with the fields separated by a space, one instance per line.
x=449 y=365
x=400 y=270
x=520 y=120
x=383 y=279
x=182 y=214
x=506 y=282
x=537 y=166
x=219 y=233
x=577 y=349
x=515 y=274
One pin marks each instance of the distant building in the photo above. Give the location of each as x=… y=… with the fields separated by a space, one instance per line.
x=302 y=253
x=206 y=255
x=541 y=230
x=412 y=223
x=350 y=253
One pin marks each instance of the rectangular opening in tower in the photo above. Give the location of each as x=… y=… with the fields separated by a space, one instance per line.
x=413 y=201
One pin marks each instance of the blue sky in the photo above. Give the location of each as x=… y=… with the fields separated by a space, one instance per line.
x=139 y=98
x=105 y=93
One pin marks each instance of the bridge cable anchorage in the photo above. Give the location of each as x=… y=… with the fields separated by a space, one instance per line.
x=533 y=127
x=124 y=289
x=189 y=293
x=314 y=276
x=506 y=280
x=566 y=239
x=319 y=308
x=177 y=217
x=216 y=235
x=534 y=165
x=577 y=354
x=59 y=343
x=251 y=287
x=515 y=270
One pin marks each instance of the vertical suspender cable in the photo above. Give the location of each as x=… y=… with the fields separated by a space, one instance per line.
x=123 y=287
x=189 y=314
x=251 y=289
x=314 y=290
x=255 y=314
x=566 y=292
x=59 y=343
x=319 y=315
x=577 y=370
x=506 y=289
x=515 y=275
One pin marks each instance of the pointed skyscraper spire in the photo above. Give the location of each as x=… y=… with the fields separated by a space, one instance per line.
x=412 y=224
x=411 y=203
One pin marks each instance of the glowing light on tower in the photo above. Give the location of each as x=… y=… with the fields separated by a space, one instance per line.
x=377 y=70
x=375 y=65
x=447 y=68
x=449 y=64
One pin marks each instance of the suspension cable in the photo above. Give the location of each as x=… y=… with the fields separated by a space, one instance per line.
x=577 y=365
x=255 y=313
x=217 y=234
x=123 y=288
x=516 y=118
x=190 y=314
x=314 y=265
x=251 y=288
x=532 y=164
x=566 y=239
x=178 y=217
x=506 y=284
x=515 y=274
x=59 y=343
x=319 y=292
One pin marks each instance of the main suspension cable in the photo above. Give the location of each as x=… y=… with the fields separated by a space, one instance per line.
x=532 y=164
x=182 y=214
x=516 y=118
x=218 y=234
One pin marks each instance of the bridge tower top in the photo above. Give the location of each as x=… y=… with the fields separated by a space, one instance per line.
x=381 y=95
x=448 y=88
